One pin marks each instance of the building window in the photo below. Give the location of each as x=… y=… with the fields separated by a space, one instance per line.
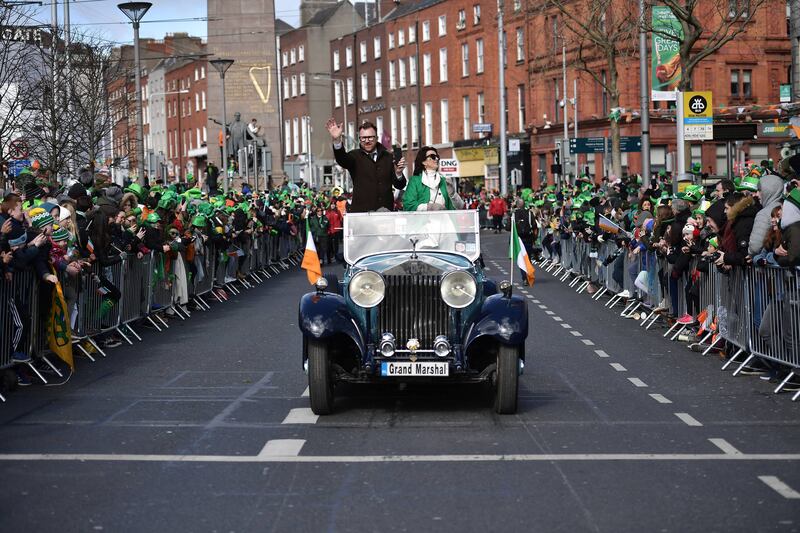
x=403 y=127
x=442 y=25
x=196 y=74
x=391 y=41
x=461 y=23
x=476 y=14
x=363 y=51
x=364 y=87
x=287 y=135
x=337 y=95
x=202 y=73
x=348 y=56
x=442 y=65
x=722 y=160
x=520 y=45
x=335 y=60
x=203 y=99
x=401 y=73
x=302 y=83
x=304 y=135
x=376 y=47
x=414 y=126
x=197 y=102
x=444 y=114
x=301 y=53
x=481 y=109
x=464 y=59
x=426 y=31
x=285 y=59
x=412 y=70
x=479 y=55
x=392 y=81
x=428 y=123
x=205 y=134
x=295 y=136
x=466 y=123
x=412 y=34
x=517 y=5
x=401 y=37
x=351 y=130
x=350 y=95
x=292 y=56
x=378 y=84
x=393 y=124
x=199 y=140
x=697 y=154
x=379 y=125
x=294 y=86
x=741 y=83
x=426 y=69
x=521 y=106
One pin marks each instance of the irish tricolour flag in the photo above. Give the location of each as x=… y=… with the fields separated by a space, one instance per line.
x=518 y=254
x=311 y=262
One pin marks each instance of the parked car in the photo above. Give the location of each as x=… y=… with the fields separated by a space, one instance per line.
x=413 y=304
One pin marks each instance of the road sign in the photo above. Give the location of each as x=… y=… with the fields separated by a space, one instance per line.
x=15 y=167
x=18 y=149
x=448 y=168
x=598 y=145
x=482 y=127
x=698 y=116
x=513 y=145
x=786 y=93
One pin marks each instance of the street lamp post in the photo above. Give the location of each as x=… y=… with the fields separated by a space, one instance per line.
x=135 y=11
x=222 y=66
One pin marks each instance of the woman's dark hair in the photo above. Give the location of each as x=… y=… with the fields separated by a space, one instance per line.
x=422 y=154
x=774 y=236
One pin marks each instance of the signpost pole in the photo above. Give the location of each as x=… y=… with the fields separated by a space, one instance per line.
x=681 y=148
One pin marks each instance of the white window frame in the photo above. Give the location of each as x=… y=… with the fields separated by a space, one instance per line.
x=295 y=136
x=337 y=95
x=481 y=108
x=413 y=76
x=464 y=60
x=286 y=92
x=401 y=37
x=362 y=47
x=302 y=83
x=203 y=100
x=301 y=53
x=521 y=107
x=379 y=125
x=520 y=44
x=285 y=56
x=426 y=31
x=392 y=79
x=292 y=56
x=364 y=86
x=304 y=135
x=294 y=85
x=391 y=41
x=348 y=56
x=426 y=70
x=376 y=47
x=479 y=56
x=444 y=114
x=428 y=118
x=414 y=137
x=476 y=14
x=466 y=116
x=412 y=34
x=442 y=25
x=403 y=127
x=401 y=73
x=336 y=63
x=378 y=84
x=443 y=65
x=350 y=92
x=393 y=124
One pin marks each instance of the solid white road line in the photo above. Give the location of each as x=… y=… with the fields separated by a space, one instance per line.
x=780 y=487
x=587 y=342
x=725 y=446
x=601 y=353
x=306 y=393
x=638 y=382
x=688 y=419
x=300 y=415
x=660 y=398
x=267 y=458
x=282 y=447
x=577 y=333
x=618 y=367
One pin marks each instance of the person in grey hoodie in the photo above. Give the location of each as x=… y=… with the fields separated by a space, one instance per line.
x=770 y=189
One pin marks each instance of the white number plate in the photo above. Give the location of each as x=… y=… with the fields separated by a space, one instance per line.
x=392 y=369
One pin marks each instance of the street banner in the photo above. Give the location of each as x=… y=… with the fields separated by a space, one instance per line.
x=665 y=56
x=698 y=116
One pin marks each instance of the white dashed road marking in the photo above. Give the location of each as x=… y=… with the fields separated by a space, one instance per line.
x=725 y=446
x=566 y=326
x=536 y=301
x=577 y=333
x=780 y=487
x=282 y=448
x=549 y=313
x=305 y=394
x=660 y=398
x=638 y=382
x=542 y=306
x=557 y=318
x=601 y=353
x=688 y=419
x=587 y=342
x=300 y=415
x=618 y=367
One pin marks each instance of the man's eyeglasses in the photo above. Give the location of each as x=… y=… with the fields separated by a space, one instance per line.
x=368 y=138
x=433 y=157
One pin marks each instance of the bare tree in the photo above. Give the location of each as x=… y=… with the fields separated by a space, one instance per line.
x=599 y=33
x=707 y=26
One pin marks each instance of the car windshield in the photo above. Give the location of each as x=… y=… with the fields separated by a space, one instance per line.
x=447 y=231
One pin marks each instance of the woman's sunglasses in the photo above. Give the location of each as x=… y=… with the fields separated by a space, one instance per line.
x=434 y=157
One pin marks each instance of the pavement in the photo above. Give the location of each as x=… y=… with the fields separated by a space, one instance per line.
x=207 y=427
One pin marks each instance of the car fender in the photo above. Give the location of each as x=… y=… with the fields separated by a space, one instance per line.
x=502 y=318
x=323 y=315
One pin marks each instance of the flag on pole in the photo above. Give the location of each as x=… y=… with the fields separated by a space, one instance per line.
x=59 y=336
x=311 y=262
x=518 y=254
x=606 y=225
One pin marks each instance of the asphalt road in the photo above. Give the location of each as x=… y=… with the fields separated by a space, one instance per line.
x=205 y=427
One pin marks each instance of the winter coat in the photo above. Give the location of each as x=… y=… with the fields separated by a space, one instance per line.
x=418 y=194
x=736 y=238
x=334 y=221
x=790 y=224
x=318 y=226
x=372 y=180
x=497 y=207
x=771 y=188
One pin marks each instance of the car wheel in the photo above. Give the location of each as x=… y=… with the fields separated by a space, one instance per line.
x=506 y=380
x=320 y=378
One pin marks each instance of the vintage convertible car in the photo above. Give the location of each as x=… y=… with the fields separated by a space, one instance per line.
x=413 y=304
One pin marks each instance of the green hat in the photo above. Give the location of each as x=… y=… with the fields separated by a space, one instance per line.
x=153 y=218
x=588 y=217
x=194 y=193
x=794 y=197
x=137 y=211
x=136 y=189
x=693 y=193
x=701 y=209
x=205 y=209
x=42 y=219
x=748 y=183
x=199 y=221
x=551 y=198
x=713 y=241
x=60 y=234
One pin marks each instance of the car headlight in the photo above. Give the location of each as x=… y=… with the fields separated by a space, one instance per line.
x=458 y=289
x=367 y=289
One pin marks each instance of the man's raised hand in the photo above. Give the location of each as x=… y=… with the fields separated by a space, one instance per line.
x=334 y=128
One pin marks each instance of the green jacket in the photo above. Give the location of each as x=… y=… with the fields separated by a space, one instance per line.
x=418 y=193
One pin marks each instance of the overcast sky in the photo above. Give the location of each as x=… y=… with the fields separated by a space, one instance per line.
x=104 y=17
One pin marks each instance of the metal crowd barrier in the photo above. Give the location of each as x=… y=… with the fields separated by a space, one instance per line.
x=113 y=298
x=756 y=310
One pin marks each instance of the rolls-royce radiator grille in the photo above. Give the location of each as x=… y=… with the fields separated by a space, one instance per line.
x=413 y=308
